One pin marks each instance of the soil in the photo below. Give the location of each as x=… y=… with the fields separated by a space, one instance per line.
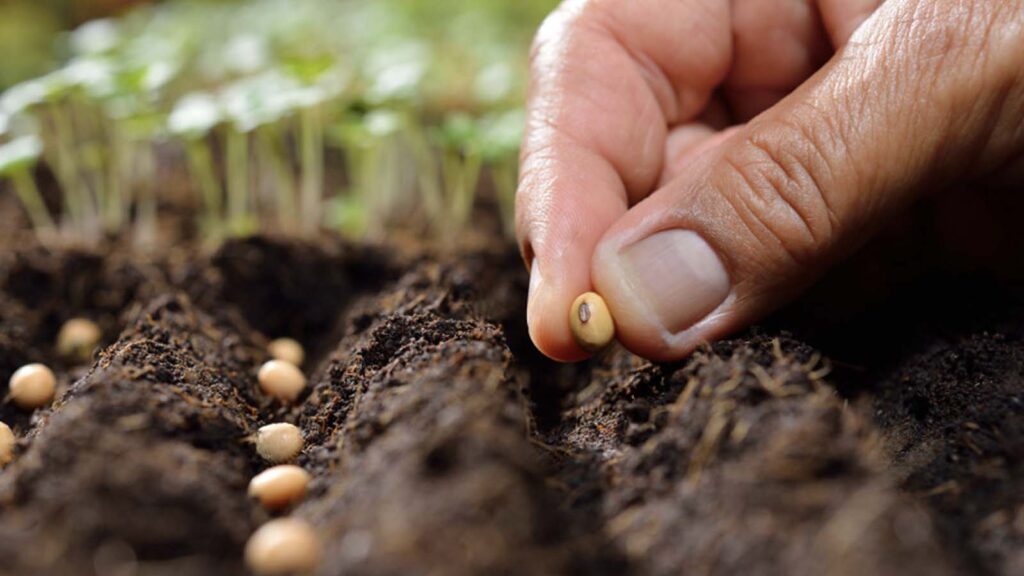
x=888 y=441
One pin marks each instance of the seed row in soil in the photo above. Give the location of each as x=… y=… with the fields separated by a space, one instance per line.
x=434 y=441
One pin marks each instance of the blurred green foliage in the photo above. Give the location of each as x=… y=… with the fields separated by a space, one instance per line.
x=423 y=98
x=27 y=32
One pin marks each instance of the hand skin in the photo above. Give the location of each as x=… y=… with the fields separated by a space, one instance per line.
x=701 y=162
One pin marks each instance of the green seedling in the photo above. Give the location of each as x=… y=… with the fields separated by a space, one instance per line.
x=41 y=97
x=256 y=107
x=17 y=159
x=282 y=71
x=461 y=161
x=394 y=73
x=320 y=81
x=193 y=120
x=138 y=127
x=373 y=151
x=245 y=104
x=500 y=137
x=311 y=146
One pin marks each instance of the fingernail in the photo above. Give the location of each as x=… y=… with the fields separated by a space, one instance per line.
x=677 y=275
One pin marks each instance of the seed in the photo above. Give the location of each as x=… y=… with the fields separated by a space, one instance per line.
x=77 y=339
x=591 y=322
x=288 y=350
x=283 y=546
x=279 y=442
x=32 y=386
x=7 y=441
x=282 y=380
x=280 y=486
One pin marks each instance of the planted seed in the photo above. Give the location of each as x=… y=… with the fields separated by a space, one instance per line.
x=279 y=442
x=282 y=380
x=7 y=441
x=279 y=487
x=283 y=546
x=78 y=338
x=591 y=322
x=288 y=350
x=32 y=386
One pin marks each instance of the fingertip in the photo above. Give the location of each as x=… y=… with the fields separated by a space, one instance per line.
x=547 y=317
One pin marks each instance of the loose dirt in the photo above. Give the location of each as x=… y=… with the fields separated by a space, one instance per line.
x=440 y=442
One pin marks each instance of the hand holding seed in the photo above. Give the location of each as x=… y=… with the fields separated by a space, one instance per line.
x=700 y=163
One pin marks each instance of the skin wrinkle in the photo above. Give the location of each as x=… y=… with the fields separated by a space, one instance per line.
x=654 y=77
x=783 y=170
x=820 y=183
x=840 y=131
x=683 y=98
x=754 y=216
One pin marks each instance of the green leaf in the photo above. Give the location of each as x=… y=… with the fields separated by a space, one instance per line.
x=501 y=134
x=458 y=131
x=20 y=153
x=194 y=116
x=95 y=37
x=348 y=214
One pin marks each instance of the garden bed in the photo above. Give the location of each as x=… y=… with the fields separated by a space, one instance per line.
x=199 y=179
x=440 y=442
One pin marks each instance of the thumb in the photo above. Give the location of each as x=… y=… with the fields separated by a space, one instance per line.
x=925 y=93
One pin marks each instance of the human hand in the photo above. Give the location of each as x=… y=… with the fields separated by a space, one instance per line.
x=700 y=162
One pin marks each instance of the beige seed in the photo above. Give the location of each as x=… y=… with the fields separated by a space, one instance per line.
x=282 y=380
x=288 y=350
x=591 y=322
x=279 y=442
x=32 y=386
x=78 y=338
x=7 y=441
x=280 y=486
x=283 y=546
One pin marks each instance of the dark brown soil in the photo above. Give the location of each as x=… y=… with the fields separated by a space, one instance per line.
x=442 y=443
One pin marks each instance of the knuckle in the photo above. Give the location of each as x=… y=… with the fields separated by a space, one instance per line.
x=777 y=187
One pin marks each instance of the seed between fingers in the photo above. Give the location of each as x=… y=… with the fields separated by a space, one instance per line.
x=591 y=322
